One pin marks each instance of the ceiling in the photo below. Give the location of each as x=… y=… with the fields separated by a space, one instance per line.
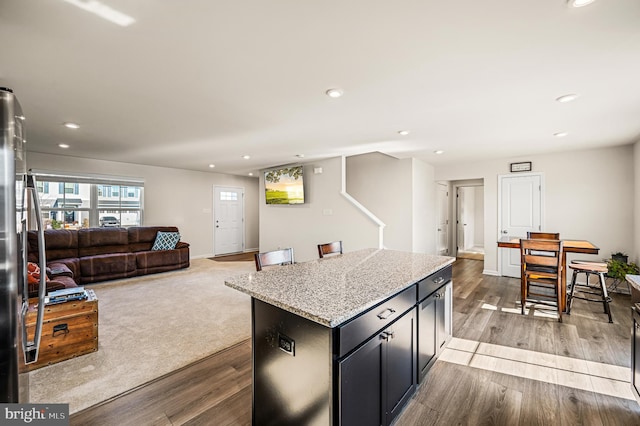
x=199 y=82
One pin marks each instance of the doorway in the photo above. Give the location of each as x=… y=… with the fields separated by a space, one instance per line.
x=470 y=221
x=228 y=220
x=442 y=219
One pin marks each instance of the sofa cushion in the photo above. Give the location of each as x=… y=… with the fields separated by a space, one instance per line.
x=52 y=285
x=166 y=241
x=57 y=269
x=141 y=238
x=103 y=267
x=59 y=244
x=97 y=241
x=151 y=262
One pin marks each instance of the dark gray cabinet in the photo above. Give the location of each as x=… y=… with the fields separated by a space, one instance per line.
x=434 y=319
x=635 y=352
x=377 y=379
x=360 y=372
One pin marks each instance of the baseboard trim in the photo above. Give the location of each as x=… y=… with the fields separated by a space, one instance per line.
x=491 y=272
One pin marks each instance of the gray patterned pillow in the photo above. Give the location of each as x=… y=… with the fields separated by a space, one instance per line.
x=166 y=240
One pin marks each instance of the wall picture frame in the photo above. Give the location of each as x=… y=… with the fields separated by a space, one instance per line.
x=523 y=166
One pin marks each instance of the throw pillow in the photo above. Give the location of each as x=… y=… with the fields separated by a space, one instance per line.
x=166 y=240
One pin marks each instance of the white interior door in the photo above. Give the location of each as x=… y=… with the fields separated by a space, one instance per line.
x=442 y=230
x=228 y=220
x=520 y=211
x=460 y=223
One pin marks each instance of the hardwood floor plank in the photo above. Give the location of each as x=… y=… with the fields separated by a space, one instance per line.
x=504 y=369
x=233 y=411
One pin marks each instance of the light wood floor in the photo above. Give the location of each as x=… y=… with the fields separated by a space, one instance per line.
x=517 y=385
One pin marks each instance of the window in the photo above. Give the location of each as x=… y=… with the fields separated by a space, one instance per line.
x=84 y=202
x=228 y=196
x=43 y=187
x=68 y=188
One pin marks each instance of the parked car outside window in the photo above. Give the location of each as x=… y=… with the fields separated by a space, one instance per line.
x=109 y=221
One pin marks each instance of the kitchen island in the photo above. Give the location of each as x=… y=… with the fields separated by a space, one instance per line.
x=344 y=340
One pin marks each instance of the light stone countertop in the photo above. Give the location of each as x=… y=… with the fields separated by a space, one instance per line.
x=333 y=290
x=634 y=280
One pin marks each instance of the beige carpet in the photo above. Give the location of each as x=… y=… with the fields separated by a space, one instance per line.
x=147 y=327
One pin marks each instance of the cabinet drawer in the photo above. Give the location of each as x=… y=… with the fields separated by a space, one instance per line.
x=428 y=285
x=359 y=329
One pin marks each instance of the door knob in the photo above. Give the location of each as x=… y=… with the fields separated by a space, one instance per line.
x=504 y=232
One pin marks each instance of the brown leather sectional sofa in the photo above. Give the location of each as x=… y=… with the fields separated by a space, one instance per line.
x=89 y=255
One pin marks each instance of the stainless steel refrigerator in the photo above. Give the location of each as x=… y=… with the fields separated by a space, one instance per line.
x=19 y=209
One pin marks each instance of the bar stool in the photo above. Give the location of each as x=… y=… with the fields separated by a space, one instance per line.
x=588 y=268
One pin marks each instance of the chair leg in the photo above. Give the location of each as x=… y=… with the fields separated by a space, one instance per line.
x=523 y=294
x=605 y=297
x=558 y=295
x=573 y=287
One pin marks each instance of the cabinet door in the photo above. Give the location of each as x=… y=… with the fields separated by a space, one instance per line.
x=426 y=333
x=400 y=364
x=361 y=383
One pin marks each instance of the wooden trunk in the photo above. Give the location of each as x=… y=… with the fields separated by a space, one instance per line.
x=69 y=329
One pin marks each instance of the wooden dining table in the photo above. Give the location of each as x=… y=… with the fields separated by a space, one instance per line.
x=568 y=246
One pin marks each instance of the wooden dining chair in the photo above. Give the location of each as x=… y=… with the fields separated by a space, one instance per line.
x=329 y=248
x=541 y=273
x=275 y=257
x=543 y=235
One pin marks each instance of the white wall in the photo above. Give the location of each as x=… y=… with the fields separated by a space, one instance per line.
x=172 y=197
x=424 y=207
x=324 y=217
x=383 y=185
x=589 y=195
x=636 y=198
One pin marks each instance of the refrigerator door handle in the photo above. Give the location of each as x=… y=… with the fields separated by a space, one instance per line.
x=33 y=347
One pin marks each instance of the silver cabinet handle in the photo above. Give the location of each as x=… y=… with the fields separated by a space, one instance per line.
x=438 y=280
x=387 y=335
x=387 y=313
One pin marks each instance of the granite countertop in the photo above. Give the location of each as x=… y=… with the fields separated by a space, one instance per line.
x=333 y=290
x=634 y=280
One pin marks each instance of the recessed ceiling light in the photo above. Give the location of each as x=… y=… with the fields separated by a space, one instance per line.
x=211 y=166
x=246 y=157
x=334 y=93
x=63 y=145
x=438 y=152
x=250 y=174
x=404 y=132
x=560 y=134
x=567 y=98
x=103 y=11
x=72 y=125
x=580 y=3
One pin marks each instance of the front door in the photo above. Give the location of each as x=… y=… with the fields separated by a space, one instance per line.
x=520 y=211
x=228 y=218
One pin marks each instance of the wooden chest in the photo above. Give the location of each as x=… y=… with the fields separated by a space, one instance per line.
x=69 y=329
